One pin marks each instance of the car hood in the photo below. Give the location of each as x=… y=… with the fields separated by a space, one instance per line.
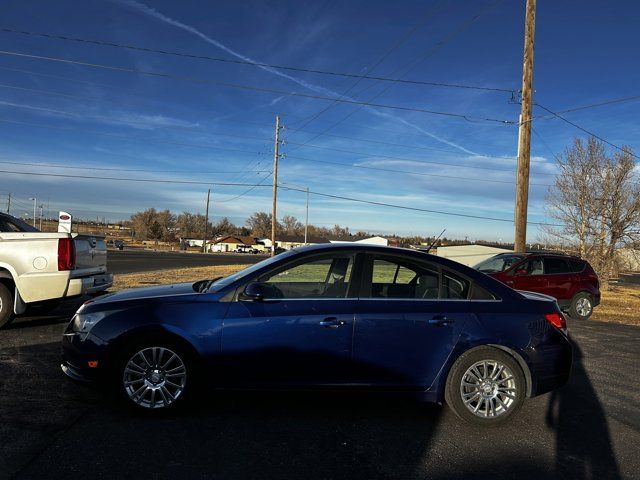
x=147 y=292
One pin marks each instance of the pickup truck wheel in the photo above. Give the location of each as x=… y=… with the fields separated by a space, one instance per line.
x=581 y=306
x=6 y=305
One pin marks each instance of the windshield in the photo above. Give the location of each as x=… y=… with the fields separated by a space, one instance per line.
x=10 y=224
x=223 y=282
x=499 y=263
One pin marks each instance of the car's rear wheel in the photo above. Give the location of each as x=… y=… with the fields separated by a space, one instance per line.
x=581 y=306
x=6 y=305
x=155 y=375
x=485 y=386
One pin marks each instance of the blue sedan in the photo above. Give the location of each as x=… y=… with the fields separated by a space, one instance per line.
x=330 y=316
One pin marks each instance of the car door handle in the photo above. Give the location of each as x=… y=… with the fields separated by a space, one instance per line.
x=332 y=322
x=440 y=320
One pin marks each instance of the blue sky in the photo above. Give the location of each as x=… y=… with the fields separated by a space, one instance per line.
x=96 y=118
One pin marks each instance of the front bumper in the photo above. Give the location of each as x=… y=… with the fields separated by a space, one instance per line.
x=79 y=352
x=89 y=285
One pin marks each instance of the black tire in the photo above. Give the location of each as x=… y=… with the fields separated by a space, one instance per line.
x=6 y=305
x=510 y=381
x=581 y=306
x=154 y=401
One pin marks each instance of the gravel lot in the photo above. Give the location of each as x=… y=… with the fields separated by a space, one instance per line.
x=54 y=428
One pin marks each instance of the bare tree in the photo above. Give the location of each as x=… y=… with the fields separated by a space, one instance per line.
x=291 y=225
x=260 y=224
x=596 y=199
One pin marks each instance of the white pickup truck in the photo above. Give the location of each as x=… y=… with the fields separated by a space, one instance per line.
x=37 y=268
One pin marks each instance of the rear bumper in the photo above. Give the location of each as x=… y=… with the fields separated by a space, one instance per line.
x=89 y=285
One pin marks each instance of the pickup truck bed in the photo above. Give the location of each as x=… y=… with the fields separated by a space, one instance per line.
x=36 y=267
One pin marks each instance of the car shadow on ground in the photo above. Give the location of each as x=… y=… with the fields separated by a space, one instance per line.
x=583 y=442
x=57 y=428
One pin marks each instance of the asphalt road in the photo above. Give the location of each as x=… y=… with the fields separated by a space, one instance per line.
x=133 y=261
x=54 y=428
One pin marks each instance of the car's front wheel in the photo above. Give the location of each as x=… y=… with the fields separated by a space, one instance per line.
x=155 y=375
x=581 y=306
x=485 y=386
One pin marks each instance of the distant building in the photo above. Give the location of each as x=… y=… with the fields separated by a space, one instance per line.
x=289 y=242
x=469 y=255
x=229 y=243
x=376 y=240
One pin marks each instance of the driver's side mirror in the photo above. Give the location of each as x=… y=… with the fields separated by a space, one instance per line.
x=253 y=291
x=521 y=272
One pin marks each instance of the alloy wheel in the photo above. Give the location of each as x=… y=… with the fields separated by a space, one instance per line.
x=154 y=377
x=583 y=307
x=488 y=389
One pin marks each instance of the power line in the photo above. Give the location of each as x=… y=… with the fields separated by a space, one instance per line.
x=227 y=184
x=390 y=157
x=255 y=64
x=135 y=138
x=404 y=207
x=407 y=68
x=467 y=117
x=600 y=104
x=588 y=132
x=393 y=170
x=114 y=169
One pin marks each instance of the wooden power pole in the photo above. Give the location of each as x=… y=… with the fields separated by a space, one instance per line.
x=206 y=224
x=276 y=157
x=9 y=203
x=524 y=131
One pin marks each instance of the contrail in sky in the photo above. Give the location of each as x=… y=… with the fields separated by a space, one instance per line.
x=152 y=12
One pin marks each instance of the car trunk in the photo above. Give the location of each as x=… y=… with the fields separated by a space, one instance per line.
x=91 y=255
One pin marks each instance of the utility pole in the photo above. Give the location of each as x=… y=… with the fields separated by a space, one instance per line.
x=276 y=157
x=41 y=207
x=306 y=219
x=524 y=131
x=206 y=224
x=9 y=203
x=35 y=201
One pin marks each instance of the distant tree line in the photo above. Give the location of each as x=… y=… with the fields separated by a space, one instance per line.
x=166 y=226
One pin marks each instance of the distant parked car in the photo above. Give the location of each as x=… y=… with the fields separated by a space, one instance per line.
x=328 y=316
x=119 y=244
x=570 y=280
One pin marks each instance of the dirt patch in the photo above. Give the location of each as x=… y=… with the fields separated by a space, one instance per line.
x=163 y=277
x=619 y=304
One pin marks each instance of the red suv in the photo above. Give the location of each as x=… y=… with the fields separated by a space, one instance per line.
x=570 y=280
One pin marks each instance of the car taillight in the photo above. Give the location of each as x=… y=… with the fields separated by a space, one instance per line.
x=66 y=254
x=557 y=320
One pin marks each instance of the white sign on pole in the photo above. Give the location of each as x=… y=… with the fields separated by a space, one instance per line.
x=64 y=222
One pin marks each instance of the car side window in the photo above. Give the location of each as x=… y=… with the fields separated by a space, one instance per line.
x=326 y=277
x=390 y=279
x=480 y=293
x=555 y=265
x=577 y=266
x=454 y=287
x=533 y=266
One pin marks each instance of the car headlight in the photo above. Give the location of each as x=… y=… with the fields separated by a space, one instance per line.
x=84 y=322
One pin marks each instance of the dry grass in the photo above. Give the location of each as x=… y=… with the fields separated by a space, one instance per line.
x=162 y=277
x=619 y=304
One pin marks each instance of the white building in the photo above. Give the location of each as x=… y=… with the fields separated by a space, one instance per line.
x=469 y=255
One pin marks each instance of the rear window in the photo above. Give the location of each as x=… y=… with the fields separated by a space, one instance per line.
x=499 y=263
x=577 y=266
x=553 y=265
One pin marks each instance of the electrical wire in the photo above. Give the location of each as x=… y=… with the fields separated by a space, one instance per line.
x=254 y=64
x=624 y=150
x=226 y=184
x=467 y=117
